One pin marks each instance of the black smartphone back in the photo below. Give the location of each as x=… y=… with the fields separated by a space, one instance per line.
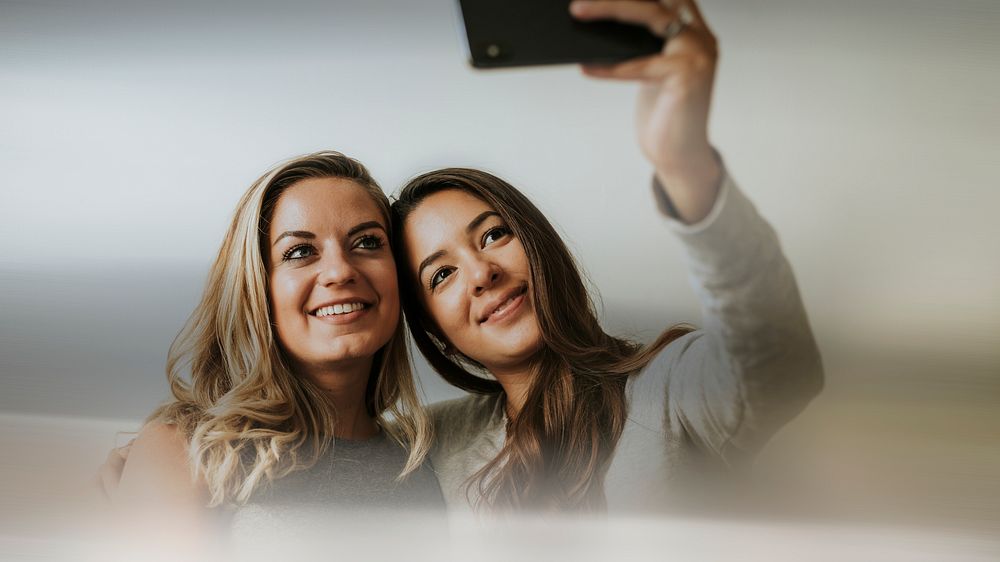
x=503 y=33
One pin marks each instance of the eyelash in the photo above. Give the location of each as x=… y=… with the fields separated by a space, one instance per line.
x=288 y=253
x=368 y=238
x=433 y=283
x=377 y=241
x=502 y=230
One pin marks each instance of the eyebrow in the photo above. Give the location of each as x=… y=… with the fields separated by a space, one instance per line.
x=309 y=235
x=480 y=219
x=427 y=261
x=365 y=226
x=473 y=225
x=295 y=233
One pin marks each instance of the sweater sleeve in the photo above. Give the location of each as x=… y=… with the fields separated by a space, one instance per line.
x=755 y=364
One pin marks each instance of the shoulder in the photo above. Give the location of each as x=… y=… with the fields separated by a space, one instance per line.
x=158 y=441
x=469 y=432
x=159 y=435
x=471 y=408
x=668 y=360
x=676 y=365
x=461 y=418
x=160 y=501
x=158 y=466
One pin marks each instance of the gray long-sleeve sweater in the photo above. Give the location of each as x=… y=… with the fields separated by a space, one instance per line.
x=717 y=393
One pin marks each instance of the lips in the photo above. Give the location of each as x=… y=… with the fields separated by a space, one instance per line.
x=340 y=307
x=504 y=305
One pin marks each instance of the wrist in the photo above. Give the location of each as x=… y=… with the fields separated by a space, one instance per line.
x=693 y=188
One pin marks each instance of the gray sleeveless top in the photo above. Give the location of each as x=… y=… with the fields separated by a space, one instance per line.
x=354 y=483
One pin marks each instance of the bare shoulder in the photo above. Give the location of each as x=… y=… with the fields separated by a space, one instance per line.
x=158 y=469
x=159 y=503
x=159 y=443
x=161 y=436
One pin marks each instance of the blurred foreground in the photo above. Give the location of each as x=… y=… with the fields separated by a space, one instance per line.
x=886 y=465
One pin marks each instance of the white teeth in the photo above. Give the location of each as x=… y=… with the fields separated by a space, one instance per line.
x=339 y=309
x=504 y=305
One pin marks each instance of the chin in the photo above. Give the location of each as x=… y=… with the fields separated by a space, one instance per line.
x=347 y=349
x=530 y=340
x=523 y=350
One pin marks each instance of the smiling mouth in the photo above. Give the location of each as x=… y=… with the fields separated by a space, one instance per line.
x=339 y=309
x=507 y=307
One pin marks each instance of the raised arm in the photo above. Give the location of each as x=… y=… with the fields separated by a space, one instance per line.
x=676 y=92
x=755 y=365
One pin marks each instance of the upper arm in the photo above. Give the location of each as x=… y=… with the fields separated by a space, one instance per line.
x=704 y=396
x=756 y=364
x=689 y=392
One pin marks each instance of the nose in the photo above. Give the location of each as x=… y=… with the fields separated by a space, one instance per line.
x=483 y=274
x=336 y=269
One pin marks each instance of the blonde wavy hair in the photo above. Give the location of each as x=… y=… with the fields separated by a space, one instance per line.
x=248 y=418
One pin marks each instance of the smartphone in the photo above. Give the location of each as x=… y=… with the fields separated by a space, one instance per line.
x=505 y=33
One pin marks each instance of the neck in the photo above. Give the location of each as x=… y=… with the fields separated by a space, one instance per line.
x=344 y=384
x=515 y=385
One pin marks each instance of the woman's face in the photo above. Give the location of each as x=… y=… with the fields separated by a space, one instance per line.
x=474 y=280
x=333 y=291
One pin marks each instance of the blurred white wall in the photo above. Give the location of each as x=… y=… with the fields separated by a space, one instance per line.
x=867 y=132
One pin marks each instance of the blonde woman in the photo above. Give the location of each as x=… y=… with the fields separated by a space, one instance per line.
x=286 y=376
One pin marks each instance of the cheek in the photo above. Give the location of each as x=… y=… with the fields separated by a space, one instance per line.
x=282 y=293
x=382 y=276
x=286 y=299
x=518 y=257
x=447 y=312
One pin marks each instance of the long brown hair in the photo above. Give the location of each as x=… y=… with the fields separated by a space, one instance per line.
x=248 y=418
x=560 y=444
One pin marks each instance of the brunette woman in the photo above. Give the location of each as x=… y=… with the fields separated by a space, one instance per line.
x=565 y=415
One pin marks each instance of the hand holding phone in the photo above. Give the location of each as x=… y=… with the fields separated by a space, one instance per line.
x=676 y=93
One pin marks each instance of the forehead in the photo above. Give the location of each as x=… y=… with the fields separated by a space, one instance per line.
x=323 y=203
x=439 y=219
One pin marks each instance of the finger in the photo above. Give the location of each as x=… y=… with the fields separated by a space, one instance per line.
x=695 y=17
x=646 y=68
x=656 y=67
x=654 y=16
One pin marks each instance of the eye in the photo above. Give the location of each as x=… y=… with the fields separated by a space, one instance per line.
x=440 y=275
x=298 y=252
x=369 y=242
x=494 y=234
